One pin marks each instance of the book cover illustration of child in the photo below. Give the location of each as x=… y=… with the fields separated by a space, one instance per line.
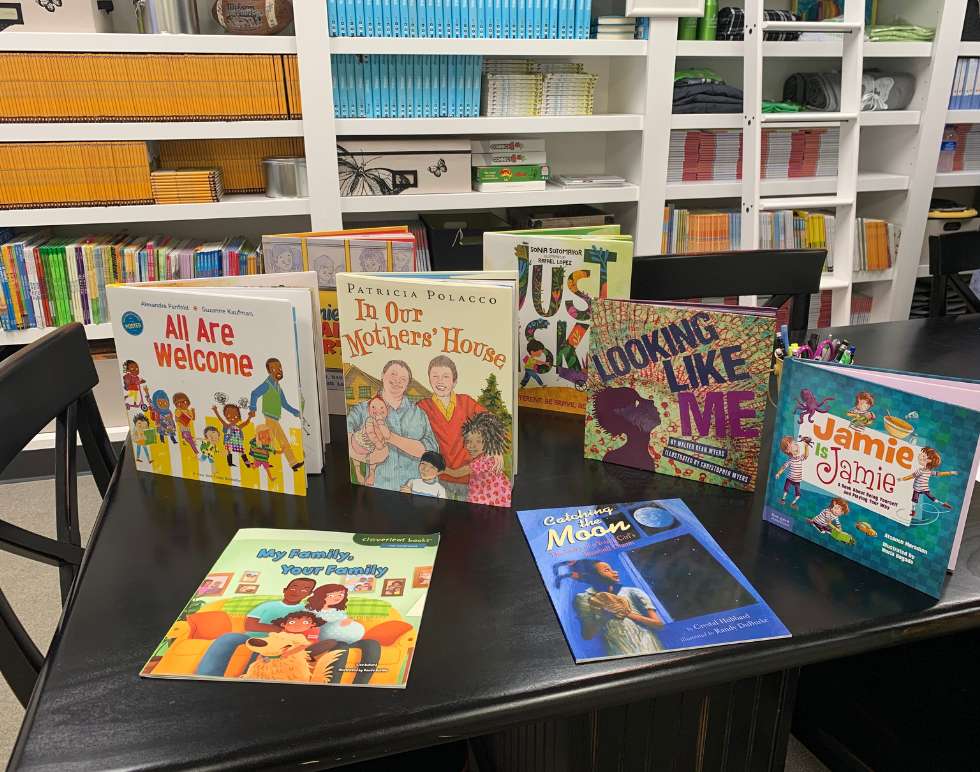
x=326 y=621
x=678 y=390
x=882 y=459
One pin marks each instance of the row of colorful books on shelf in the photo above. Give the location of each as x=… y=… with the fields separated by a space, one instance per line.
x=821 y=307
x=406 y=86
x=147 y=87
x=564 y=19
x=701 y=155
x=45 y=174
x=685 y=231
x=49 y=280
x=960 y=150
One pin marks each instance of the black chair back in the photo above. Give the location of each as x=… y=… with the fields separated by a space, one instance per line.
x=51 y=379
x=950 y=255
x=778 y=274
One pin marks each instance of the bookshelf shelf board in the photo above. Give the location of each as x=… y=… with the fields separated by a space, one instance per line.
x=231 y=206
x=46 y=440
x=922 y=271
x=969 y=48
x=957 y=179
x=865 y=277
x=488 y=46
x=124 y=43
x=829 y=281
x=552 y=196
x=487 y=125
x=806 y=49
x=90 y=132
x=706 y=121
x=963 y=116
x=20 y=337
x=867 y=182
x=890 y=118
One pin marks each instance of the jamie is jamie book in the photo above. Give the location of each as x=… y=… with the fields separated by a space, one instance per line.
x=642 y=578
x=875 y=465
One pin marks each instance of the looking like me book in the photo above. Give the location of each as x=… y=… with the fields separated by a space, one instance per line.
x=642 y=578
x=875 y=465
x=429 y=376
x=678 y=388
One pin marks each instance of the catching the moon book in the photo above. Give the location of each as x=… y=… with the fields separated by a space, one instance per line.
x=875 y=465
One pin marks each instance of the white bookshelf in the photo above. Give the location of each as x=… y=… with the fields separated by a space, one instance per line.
x=628 y=135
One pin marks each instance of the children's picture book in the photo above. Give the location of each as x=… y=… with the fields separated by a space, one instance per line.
x=642 y=578
x=429 y=376
x=876 y=465
x=679 y=388
x=213 y=382
x=561 y=271
x=304 y=607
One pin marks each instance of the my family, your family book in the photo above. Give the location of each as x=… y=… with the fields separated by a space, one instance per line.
x=223 y=379
x=304 y=607
x=876 y=465
x=429 y=376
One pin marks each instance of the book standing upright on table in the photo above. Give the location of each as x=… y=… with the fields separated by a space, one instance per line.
x=679 y=388
x=876 y=465
x=429 y=376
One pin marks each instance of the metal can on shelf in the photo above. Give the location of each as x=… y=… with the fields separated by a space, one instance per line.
x=285 y=177
x=173 y=16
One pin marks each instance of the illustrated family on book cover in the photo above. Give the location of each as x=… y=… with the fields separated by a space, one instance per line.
x=311 y=607
x=429 y=375
x=876 y=466
x=642 y=578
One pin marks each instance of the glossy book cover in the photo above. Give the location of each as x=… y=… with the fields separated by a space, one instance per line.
x=560 y=271
x=304 y=607
x=867 y=468
x=679 y=389
x=429 y=378
x=211 y=382
x=642 y=578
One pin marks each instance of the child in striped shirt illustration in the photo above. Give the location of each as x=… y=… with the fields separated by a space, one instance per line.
x=798 y=451
x=929 y=461
x=829 y=519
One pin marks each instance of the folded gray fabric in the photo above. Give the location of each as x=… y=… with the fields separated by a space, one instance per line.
x=886 y=90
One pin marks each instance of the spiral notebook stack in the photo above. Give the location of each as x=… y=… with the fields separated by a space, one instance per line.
x=186 y=186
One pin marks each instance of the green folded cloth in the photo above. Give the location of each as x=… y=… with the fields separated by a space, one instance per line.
x=780 y=107
x=699 y=74
x=898 y=32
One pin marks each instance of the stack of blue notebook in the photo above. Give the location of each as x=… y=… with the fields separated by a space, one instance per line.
x=460 y=18
x=406 y=86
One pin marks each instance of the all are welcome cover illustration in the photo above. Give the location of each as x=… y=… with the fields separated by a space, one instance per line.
x=215 y=385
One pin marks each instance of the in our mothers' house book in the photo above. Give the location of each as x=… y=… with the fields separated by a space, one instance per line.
x=304 y=607
x=217 y=381
x=875 y=465
x=642 y=578
x=561 y=270
x=679 y=388
x=429 y=374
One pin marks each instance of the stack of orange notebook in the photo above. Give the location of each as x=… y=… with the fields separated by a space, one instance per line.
x=145 y=87
x=186 y=186
x=240 y=160
x=48 y=174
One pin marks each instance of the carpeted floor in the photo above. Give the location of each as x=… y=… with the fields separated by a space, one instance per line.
x=32 y=589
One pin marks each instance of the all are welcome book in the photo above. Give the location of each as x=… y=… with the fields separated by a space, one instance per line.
x=223 y=384
x=875 y=465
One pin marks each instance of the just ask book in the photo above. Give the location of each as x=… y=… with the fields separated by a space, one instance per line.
x=642 y=578
x=212 y=382
x=304 y=607
x=429 y=376
x=679 y=389
x=561 y=271
x=875 y=465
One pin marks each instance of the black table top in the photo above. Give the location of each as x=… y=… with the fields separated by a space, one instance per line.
x=491 y=651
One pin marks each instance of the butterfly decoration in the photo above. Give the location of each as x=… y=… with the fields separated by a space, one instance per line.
x=439 y=168
x=358 y=176
x=49 y=5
